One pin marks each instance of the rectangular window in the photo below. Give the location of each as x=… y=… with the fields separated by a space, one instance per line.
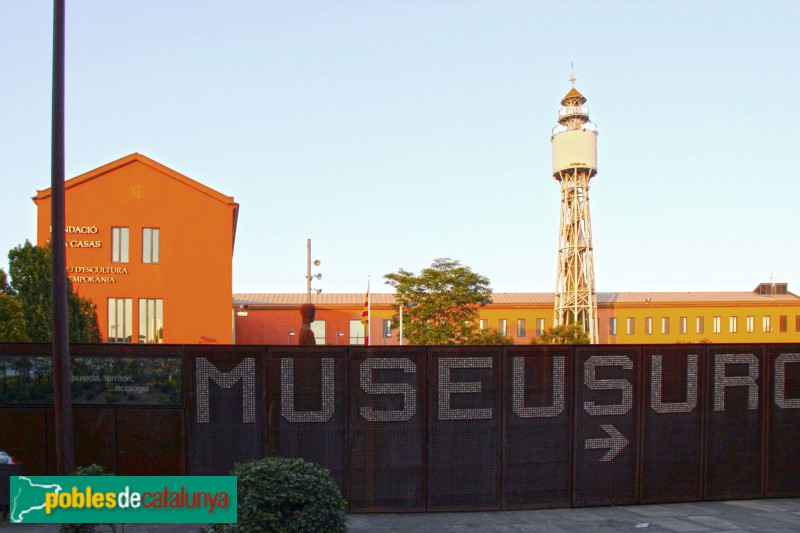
x=387 y=329
x=503 y=327
x=797 y=322
x=665 y=325
x=150 y=238
x=631 y=325
x=612 y=325
x=751 y=324
x=120 y=319
x=783 y=323
x=733 y=324
x=318 y=327
x=766 y=324
x=120 y=238
x=484 y=324
x=648 y=325
x=684 y=325
x=700 y=325
x=521 y=329
x=717 y=324
x=356 y=332
x=539 y=327
x=151 y=320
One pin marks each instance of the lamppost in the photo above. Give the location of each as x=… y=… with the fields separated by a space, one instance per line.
x=309 y=276
x=402 y=305
x=339 y=334
x=289 y=333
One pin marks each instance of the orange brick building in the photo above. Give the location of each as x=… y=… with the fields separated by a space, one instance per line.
x=153 y=250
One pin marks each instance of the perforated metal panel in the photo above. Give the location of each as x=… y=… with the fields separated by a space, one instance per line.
x=151 y=442
x=387 y=429
x=464 y=428
x=537 y=383
x=734 y=426
x=224 y=408
x=308 y=417
x=24 y=437
x=783 y=408
x=606 y=428
x=672 y=430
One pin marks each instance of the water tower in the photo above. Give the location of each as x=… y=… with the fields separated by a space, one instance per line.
x=574 y=164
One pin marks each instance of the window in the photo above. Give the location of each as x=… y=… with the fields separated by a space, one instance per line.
x=684 y=325
x=503 y=327
x=717 y=324
x=151 y=321
x=766 y=324
x=387 y=329
x=797 y=322
x=665 y=325
x=733 y=323
x=612 y=325
x=783 y=325
x=521 y=330
x=700 y=325
x=539 y=327
x=318 y=327
x=648 y=325
x=120 y=319
x=631 y=325
x=119 y=245
x=484 y=324
x=150 y=245
x=751 y=324
x=356 y=332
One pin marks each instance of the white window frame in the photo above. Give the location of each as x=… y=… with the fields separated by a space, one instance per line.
x=120 y=244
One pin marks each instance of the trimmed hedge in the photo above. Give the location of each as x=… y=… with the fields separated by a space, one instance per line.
x=286 y=495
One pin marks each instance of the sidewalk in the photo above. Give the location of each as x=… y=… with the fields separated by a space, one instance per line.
x=765 y=516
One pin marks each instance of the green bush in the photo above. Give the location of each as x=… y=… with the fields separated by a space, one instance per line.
x=286 y=495
x=91 y=470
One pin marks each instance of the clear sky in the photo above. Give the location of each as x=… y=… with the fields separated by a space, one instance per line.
x=393 y=132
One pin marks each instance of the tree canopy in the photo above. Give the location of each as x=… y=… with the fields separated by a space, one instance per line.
x=29 y=269
x=441 y=302
x=564 y=334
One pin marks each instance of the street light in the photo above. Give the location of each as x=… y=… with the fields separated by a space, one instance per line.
x=310 y=276
x=340 y=334
x=289 y=333
x=402 y=305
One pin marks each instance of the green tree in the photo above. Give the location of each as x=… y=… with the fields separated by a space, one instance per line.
x=12 y=319
x=29 y=269
x=489 y=336
x=564 y=334
x=444 y=301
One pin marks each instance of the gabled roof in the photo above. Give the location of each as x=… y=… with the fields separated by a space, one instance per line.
x=137 y=157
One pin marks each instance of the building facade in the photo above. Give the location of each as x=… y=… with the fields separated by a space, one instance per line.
x=770 y=313
x=151 y=248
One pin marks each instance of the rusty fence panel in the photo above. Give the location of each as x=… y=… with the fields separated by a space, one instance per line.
x=224 y=410
x=387 y=429
x=606 y=425
x=672 y=423
x=537 y=409
x=783 y=408
x=308 y=406
x=464 y=428
x=734 y=458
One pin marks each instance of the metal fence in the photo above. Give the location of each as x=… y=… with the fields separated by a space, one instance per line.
x=431 y=428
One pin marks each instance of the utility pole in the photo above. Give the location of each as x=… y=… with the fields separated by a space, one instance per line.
x=62 y=375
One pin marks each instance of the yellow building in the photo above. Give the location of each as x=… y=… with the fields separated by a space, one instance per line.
x=770 y=313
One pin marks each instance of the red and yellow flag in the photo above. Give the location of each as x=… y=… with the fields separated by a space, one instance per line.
x=365 y=316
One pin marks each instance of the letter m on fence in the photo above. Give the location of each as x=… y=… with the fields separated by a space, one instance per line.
x=244 y=371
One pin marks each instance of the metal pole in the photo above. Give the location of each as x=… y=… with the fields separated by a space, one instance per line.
x=308 y=269
x=401 y=323
x=62 y=375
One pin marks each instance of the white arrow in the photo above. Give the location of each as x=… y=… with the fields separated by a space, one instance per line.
x=615 y=442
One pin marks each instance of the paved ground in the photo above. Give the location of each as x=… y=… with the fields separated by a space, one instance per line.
x=767 y=516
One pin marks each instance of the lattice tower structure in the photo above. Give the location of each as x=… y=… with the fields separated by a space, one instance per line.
x=574 y=165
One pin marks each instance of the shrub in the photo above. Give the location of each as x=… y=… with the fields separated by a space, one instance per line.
x=91 y=470
x=286 y=495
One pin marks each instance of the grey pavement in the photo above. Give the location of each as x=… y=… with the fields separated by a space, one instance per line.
x=765 y=515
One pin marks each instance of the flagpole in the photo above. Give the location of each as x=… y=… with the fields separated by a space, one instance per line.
x=369 y=312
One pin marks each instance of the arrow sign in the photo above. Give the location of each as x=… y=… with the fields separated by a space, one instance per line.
x=615 y=442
